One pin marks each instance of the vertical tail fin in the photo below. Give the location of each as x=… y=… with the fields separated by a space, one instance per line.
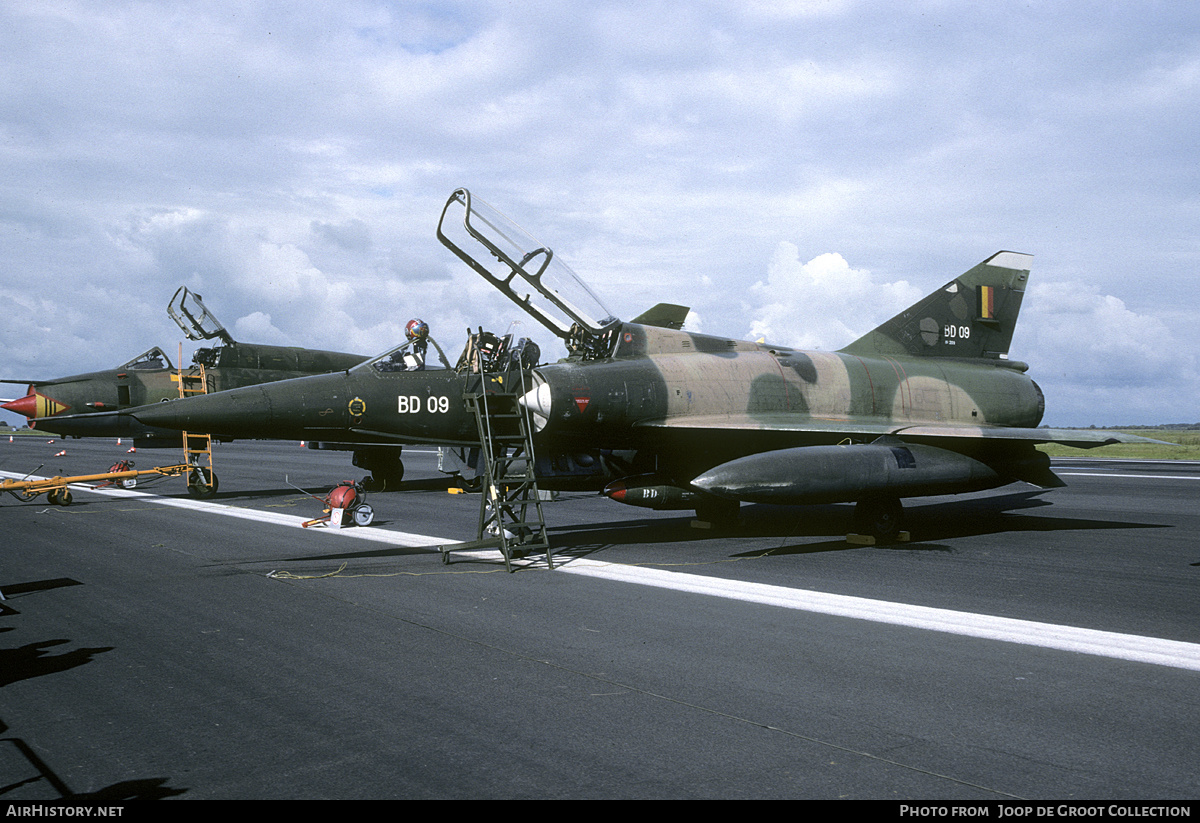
x=972 y=316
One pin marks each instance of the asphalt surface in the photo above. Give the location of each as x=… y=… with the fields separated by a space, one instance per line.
x=1024 y=645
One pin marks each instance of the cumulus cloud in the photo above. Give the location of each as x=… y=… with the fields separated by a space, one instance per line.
x=821 y=304
x=256 y=327
x=1096 y=358
x=1076 y=330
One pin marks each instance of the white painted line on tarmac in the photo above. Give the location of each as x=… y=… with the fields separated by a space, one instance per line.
x=1128 y=476
x=1067 y=638
x=1173 y=653
x=1116 y=461
x=273 y=518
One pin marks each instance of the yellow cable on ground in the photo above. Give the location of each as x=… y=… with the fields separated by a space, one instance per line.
x=285 y=575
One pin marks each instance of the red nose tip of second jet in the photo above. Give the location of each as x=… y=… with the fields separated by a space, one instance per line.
x=34 y=405
x=22 y=405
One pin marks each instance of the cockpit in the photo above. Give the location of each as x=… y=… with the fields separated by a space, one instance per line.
x=484 y=352
x=489 y=354
x=154 y=358
x=408 y=356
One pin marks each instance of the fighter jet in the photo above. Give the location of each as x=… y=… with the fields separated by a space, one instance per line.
x=88 y=405
x=928 y=403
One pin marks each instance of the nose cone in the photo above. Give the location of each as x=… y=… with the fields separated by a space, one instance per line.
x=34 y=405
x=717 y=481
x=26 y=405
x=744 y=478
x=539 y=402
x=241 y=412
x=616 y=490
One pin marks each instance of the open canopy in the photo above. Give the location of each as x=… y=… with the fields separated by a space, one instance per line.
x=524 y=270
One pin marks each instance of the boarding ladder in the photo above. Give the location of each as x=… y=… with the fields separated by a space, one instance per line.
x=510 y=509
x=197 y=448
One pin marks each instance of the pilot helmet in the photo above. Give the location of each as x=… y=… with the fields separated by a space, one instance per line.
x=416 y=329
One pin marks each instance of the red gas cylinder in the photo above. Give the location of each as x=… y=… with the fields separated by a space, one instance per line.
x=342 y=497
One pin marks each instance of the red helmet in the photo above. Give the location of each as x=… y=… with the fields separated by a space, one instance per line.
x=416 y=329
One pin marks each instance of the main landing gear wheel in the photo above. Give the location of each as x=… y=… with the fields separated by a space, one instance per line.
x=881 y=518
x=385 y=466
x=379 y=481
x=198 y=483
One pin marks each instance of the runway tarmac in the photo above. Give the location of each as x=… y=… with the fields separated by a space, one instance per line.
x=1026 y=645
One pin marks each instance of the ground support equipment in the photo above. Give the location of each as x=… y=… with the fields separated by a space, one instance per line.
x=510 y=508
x=57 y=493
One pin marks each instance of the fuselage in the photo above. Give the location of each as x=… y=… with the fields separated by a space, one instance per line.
x=614 y=398
x=85 y=404
x=711 y=378
x=692 y=402
x=359 y=405
x=150 y=378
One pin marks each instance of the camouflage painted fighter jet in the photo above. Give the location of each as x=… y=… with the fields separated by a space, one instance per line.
x=926 y=404
x=88 y=405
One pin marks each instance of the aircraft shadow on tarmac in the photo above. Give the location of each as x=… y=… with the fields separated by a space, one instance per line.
x=32 y=660
x=12 y=592
x=35 y=774
x=928 y=524
x=22 y=771
x=150 y=788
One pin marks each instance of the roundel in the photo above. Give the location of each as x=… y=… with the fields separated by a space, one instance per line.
x=930 y=331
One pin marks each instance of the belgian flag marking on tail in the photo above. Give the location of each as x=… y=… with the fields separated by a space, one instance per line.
x=987 y=303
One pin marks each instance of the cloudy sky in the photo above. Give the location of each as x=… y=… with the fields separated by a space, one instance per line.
x=796 y=170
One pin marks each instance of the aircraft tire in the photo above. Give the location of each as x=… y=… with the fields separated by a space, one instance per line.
x=198 y=484
x=881 y=518
x=384 y=465
x=380 y=480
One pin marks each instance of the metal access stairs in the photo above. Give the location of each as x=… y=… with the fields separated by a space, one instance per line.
x=510 y=511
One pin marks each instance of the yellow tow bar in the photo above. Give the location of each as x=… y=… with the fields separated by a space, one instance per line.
x=57 y=493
